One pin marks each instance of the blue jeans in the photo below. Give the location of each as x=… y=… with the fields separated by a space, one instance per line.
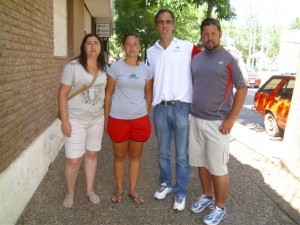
x=169 y=121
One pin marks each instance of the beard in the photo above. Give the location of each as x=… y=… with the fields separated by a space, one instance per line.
x=211 y=47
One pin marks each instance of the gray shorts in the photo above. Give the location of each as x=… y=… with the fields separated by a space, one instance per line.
x=208 y=147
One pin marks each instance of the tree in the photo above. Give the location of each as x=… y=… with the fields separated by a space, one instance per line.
x=296 y=24
x=134 y=16
x=221 y=8
x=258 y=44
x=138 y=16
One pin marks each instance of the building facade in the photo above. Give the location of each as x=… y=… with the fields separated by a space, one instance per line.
x=37 y=39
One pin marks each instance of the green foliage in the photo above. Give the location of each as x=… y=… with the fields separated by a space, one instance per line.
x=258 y=45
x=272 y=42
x=296 y=24
x=220 y=9
x=134 y=16
x=138 y=16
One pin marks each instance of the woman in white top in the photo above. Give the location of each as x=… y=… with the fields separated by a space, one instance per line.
x=82 y=116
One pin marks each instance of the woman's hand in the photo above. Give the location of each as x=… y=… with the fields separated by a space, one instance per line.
x=66 y=128
x=105 y=126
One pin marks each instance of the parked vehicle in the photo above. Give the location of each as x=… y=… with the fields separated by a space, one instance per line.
x=253 y=77
x=272 y=101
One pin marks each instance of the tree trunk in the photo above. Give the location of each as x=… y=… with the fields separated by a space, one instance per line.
x=210 y=7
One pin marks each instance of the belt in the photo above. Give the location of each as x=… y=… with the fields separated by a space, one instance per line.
x=168 y=103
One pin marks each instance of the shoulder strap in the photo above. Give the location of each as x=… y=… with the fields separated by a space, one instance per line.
x=84 y=88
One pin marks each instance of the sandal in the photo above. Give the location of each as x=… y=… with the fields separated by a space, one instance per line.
x=94 y=199
x=138 y=199
x=117 y=197
x=68 y=201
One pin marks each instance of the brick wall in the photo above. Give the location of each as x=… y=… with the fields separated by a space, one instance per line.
x=29 y=73
x=78 y=31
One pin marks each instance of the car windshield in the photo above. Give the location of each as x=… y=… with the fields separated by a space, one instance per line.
x=273 y=83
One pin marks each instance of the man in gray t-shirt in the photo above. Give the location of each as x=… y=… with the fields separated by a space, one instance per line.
x=214 y=110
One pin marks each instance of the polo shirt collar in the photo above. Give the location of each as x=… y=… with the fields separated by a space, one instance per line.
x=174 y=41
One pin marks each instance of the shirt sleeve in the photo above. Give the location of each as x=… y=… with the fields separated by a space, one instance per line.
x=112 y=70
x=68 y=74
x=239 y=72
x=195 y=50
x=149 y=72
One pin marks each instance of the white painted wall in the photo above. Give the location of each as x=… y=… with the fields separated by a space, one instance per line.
x=289 y=49
x=21 y=179
x=291 y=155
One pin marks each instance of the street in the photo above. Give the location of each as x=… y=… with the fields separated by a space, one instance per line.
x=249 y=118
x=251 y=131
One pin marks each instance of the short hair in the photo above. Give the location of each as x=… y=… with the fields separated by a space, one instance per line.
x=210 y=21
x=161 y=11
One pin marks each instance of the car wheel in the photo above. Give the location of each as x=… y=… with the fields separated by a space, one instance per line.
x=271 y=125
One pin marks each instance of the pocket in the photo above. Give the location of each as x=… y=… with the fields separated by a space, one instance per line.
x=156 y=108
x=184 y=108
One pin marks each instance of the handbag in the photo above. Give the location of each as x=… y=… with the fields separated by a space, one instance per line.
x=78 y=92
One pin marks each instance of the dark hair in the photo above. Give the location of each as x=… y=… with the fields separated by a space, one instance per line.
x=210 y=21
x=134 y=35
x=82 y=58
x=131 y=34
x=164 y=11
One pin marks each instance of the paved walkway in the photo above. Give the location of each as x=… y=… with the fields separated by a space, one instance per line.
x=260 y=193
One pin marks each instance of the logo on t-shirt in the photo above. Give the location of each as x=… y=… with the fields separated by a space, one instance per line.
x=133 y=76
x=177 y=49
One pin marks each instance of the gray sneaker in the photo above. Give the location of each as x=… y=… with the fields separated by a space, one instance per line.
x=162 y=191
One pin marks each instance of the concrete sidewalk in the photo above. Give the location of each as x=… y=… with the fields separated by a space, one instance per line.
x=260 y=191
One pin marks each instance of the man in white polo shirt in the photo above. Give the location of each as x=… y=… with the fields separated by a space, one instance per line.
x=170 y=60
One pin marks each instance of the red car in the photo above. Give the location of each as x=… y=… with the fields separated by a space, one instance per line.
x=273 y=101
x=253 y=77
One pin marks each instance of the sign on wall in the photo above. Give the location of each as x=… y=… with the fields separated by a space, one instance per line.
x=103 y=29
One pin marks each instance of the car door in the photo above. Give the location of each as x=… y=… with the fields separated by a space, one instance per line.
x=265 y=96
x=283 y=102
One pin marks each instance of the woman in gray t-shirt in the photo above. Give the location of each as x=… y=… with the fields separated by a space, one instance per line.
x=127 y=103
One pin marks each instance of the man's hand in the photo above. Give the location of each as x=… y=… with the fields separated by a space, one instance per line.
x=226 y=126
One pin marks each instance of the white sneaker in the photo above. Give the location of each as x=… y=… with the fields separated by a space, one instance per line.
x=179 y=203
x=162 y=191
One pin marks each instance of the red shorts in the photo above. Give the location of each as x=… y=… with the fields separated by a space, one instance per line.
x=121 y=130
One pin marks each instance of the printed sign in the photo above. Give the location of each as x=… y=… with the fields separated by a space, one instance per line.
x=103 y=30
